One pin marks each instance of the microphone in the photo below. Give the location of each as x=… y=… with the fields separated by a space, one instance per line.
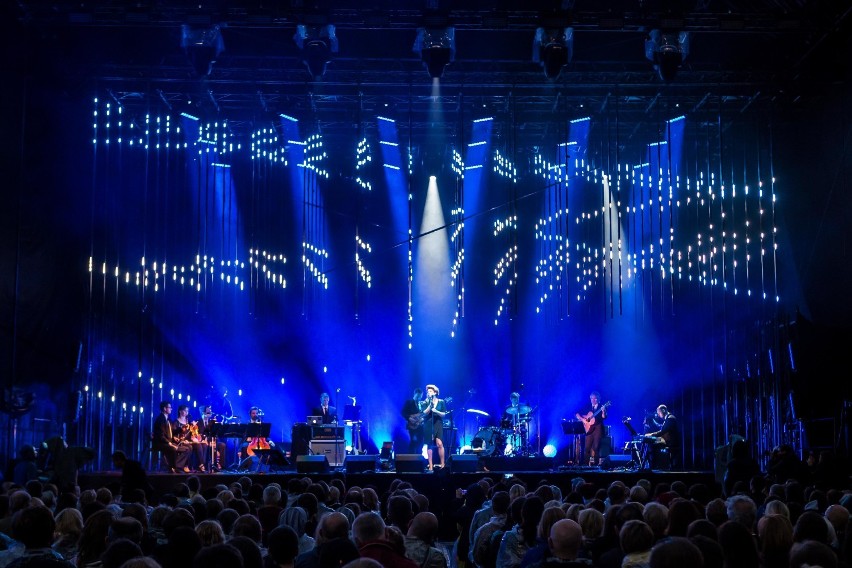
x=352 y=397
x=471 y=391
x=337 y=390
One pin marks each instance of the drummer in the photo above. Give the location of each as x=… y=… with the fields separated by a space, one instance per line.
x=516 y=413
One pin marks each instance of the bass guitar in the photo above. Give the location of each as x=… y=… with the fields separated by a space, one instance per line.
x=415 y=421
x=590 y=419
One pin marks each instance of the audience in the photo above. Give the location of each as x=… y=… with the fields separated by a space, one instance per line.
x=765 y=522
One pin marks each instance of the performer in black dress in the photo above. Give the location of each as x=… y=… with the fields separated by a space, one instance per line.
x=435 y=411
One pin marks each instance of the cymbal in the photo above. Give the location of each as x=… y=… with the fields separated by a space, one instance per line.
x=475 y=411
x=522 y=409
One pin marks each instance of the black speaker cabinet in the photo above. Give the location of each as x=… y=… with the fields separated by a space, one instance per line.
x=614 y=461
x=312 y=464
x=360 y=464
x=605 y=447
x=410 y=463
x=301 y=436
x=466 y=463
x=661 y=459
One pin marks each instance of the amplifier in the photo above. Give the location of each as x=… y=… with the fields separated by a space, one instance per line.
x=327 y=432
x=333 y=450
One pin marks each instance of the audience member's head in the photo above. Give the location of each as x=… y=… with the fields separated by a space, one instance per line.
x=565 y=540
x=33 y=527
x=282 y=545
x=367 y=527
x=812 y=553
x=118 y=552
x=249 y=549
x=218 y=556
x=676 y=552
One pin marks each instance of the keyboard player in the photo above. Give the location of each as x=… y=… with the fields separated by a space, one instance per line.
x=668 y=431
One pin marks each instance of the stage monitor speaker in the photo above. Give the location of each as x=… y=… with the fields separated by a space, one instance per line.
x=360 y=464
x=410 y=463
x=312 y=464
x=515 y=464
x=615 y=461
x=464 y=463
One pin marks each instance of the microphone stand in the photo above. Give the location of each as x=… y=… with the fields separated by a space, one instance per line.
x=337 y=456
x=470 y=394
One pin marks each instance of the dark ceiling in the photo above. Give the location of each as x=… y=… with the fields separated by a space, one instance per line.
x=743 y=55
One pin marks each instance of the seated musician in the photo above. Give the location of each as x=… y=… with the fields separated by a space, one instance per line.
x=163 y=440
x=208 y=433
x=668 y=431
x=189 y=433
x=254 y=443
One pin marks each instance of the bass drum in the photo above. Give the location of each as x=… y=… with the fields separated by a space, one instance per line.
x=488 y=442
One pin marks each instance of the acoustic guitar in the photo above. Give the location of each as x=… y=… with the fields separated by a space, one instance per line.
x=415 y=421
x=590 y=419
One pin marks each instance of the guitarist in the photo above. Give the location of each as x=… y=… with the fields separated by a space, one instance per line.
x=593 y=417
x=412 y=411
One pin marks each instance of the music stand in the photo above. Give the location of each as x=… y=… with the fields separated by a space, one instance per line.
x=352 y=413
x=212 y=435
x=574 y=428
x=258 y=429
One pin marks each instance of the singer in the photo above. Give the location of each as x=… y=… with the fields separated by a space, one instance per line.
x=328 y=413
x=434 y=411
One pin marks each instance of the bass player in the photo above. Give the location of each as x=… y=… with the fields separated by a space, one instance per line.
x=593 y=417
x=412 y=411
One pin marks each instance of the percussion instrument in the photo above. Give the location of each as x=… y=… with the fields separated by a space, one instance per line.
x=488 y=442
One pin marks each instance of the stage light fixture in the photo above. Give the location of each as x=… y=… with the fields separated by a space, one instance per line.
x=553 y=48
x=202 y=45
x=317 y=44
x=667 y=50
x=437 y=48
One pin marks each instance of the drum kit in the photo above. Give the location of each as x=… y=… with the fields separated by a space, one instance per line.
x=510 y=439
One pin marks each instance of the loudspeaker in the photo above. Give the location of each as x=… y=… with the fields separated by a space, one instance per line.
x=464 y=463
x=360 y=464
x=311 y=464
x=334 y=450
x=509 y=464
x=614 y=461
x=605 y=448
x=661 y=459
x=300 y=435
x=410 y=463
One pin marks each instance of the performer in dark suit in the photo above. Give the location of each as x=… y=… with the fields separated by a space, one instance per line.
x=435 y=411
x=593 y=417
x=328 y=413
x=412 y=412
x=163 y=438
x=669 y=431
